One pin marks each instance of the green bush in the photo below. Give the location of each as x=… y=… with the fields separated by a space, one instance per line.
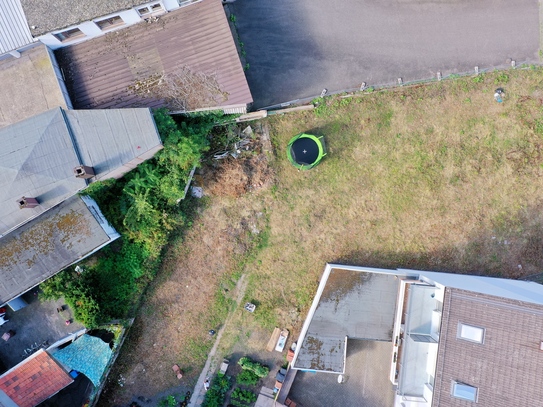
x=255 y=367
x=169 y=401
x=217 y=391
x=247 y=378
x=77 y=294
x=144 y=208
x=246 y=396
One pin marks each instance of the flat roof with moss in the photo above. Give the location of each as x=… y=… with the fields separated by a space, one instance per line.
x=44 y=246
x=30 y=85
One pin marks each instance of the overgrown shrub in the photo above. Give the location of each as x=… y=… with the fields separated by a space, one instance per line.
x=246 y=396
x=217 y=391
x=144 y=207
x=255 y=367
x=247 y=378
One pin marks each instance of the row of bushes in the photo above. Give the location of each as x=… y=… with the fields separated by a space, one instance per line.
x=243 y=396
x=144 y=207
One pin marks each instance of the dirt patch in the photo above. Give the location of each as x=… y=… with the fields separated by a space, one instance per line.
x=248 y=171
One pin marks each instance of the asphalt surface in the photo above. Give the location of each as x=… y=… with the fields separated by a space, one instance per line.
x=297 y=48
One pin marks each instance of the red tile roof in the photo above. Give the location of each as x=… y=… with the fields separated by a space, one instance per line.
x=100 y=72
x=34 y=380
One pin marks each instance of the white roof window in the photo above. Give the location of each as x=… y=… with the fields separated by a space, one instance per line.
x=471 y=333
x=464 y=391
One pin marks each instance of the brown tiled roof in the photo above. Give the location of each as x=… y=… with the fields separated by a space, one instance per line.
x=507 y=367
x=34 y=380
x=99 y=72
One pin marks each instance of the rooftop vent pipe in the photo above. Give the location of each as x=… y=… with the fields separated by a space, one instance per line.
x=25 y=202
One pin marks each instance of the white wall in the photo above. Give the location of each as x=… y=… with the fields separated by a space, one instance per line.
x=514 y=289
x=91 y=30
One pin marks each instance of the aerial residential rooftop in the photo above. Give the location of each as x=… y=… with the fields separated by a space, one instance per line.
x=102 y=73
x=31 y=85
x=452 y=338
x=40 y=154
x=356 y=305
x=34 y=380
x=14 y=30
x=42 y=247
x=503 y=368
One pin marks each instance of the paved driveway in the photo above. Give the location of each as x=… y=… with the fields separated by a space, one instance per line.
x=296 y=48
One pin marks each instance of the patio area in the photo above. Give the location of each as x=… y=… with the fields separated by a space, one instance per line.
x=37 y=325
x=366 y=382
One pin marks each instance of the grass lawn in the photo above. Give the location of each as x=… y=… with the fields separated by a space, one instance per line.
x=437 y=177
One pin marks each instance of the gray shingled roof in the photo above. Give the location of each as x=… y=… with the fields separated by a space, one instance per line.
x=113 y=141
x=101 y=72
x=506 y=368
x=51 y=15
x=44 y=246
x=37 y=159
x=39 y=155
x=14 y=31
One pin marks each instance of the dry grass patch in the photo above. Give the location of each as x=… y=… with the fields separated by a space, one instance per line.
x=437 y=177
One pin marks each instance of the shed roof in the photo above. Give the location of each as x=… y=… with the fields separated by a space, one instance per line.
x=44 y=246
x=506 y=367
x=30 y=85
x=51 y=15
x=14 y=30
x=34 y=380
x=101 y=72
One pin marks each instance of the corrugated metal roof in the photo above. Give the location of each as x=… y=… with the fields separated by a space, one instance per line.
x=44 y=246
x=100 y=72
x=37 y=161
x=34 y=380
x=108 y=140
x=14 y=31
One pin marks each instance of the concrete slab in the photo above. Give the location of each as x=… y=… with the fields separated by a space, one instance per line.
x=366 y=380
x=297 y=48
x=35 y=324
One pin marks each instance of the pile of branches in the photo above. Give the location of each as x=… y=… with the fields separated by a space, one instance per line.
x=181 y=90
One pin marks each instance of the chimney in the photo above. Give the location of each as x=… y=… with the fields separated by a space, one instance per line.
x=84 y=172
x=25 y=202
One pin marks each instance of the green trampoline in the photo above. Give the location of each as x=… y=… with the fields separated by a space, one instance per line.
x=305 y=151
